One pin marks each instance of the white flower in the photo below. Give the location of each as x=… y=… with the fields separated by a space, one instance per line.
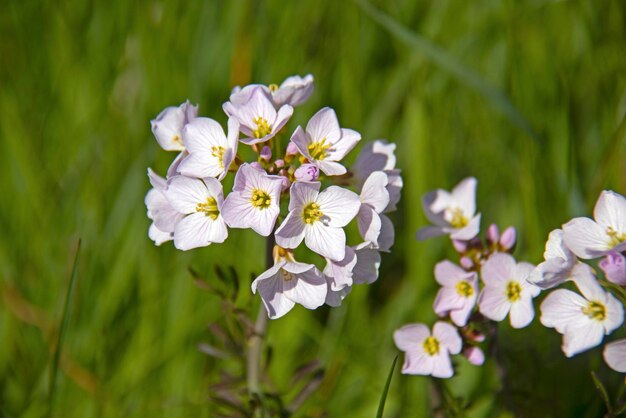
x=294 y=91
x=374 y=199
x=507 y=291
x=339 y=273
x=258 y=119
x=428 y=354
x=452 y=213
x=289 y=282
x=378 y=155
x=559 y=265
x=365 y=270
x=200 y=201
x=458 y=295
x=163 y=215
x=254 y=201
x=589 y=239
x=210 y=151
x=615 y=355
x=168 y=126
x=324 y=142
x=583 y=320
x=318 y=219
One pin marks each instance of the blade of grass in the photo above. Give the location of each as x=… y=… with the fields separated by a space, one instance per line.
x=383 y=396
x=449 y=63
x=64 y=323
x=603 y=393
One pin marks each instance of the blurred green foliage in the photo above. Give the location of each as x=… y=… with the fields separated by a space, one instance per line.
x=80 y=81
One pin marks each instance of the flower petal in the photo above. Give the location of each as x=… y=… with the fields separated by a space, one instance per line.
x=324 y=124
x=327 y=241
x=448 y=336
x=291 y=232
x=586 y=238
x=338 y=205
x=410 y=336
x=615 y=355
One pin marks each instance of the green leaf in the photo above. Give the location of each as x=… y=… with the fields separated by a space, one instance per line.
x=603 y=393
x=383 y=396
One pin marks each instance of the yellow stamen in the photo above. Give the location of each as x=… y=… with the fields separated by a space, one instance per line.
x=595 y=310
x=177 y=140
x=513 y=291
x=218 y=152
x=464 y=289
x=615 y=238
x=431 y=346
x=311 y=213
x=260 y=199
x=273 y=87
x=262 y=127
x=459 y=220
x=209 y=208
x=318 y=149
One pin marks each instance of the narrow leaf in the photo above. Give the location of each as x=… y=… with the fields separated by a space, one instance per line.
x=383 y=396
x=602 y=391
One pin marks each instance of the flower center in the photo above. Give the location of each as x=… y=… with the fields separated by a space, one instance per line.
x=218 y=152
x=260 y=199
x=318 y=149
x=262 y=127
x=431 y=346
x=464 y=289
x=615 y=238
x=513 y=291
x=209 y=208
x=457 y=218
x=286 y=275
x=177 y=140
x=311 y=213
x=595 y=310
x=273 y=87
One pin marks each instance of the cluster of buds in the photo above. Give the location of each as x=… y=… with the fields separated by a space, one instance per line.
x=488 y=284
x=291 y=193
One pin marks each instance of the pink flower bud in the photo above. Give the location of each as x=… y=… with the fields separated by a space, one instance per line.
x=285 y=179
x=307 y=172
x=614 y=268
x=466 y=263
x=475 y=355
x=292 y=149
x=508 y=238
x=493 y=234
x=459 y=246
x=266 y=153
x=279 y=163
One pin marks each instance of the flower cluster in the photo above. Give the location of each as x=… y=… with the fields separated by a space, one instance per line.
x=488 y=284
x=597 y=309
x=319 y=195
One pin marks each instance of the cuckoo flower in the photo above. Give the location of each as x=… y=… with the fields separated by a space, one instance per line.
x=374 y=199
x=507 y=291
x=200 y=201
x=378 y=155
x=458 y=295
x=615 y=355
x=210 y=151
x=258 y=119
x=289 y=282
x=607 y=233
x=365 y=270
x=168 y=126
x=163 y=215
x=452 y=213
x=294 y=91
x=426 y=353
x=339 y=273
x=583 y=320
x=614 y=268
x=559 y=263
x=324 y=143
x=254 y=201
x=318 y=219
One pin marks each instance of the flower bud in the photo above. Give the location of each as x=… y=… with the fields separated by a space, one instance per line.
x=307 y=172
x=266 y=153
x=279 y=163
x=614 y=268
x=467 y=263
x=285 y=179
x=475 y=355
x=459 y=246
x=508 y=238
x=493 y=234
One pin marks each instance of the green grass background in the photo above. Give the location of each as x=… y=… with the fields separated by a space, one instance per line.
x=528 y=96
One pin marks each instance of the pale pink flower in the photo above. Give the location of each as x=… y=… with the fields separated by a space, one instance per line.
x=324 y=142
x=318 y=219
x=426 y=353
x=452 y=213
x=583 y=320
x=254 y=201
x=474 y=355
x=607 y=233
x=210 y=151
x=339 y=273
x=615 y=355
x=374 y=199
x=378 y=155
x=458 y=295
x=307 y=172
x=168 y=126
x=614 y=268
x=294 y=91
x=258 y=119
x=160 y=211
x=560 y=263
x=200 y=201
x=289 y=282
x=507 y=290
